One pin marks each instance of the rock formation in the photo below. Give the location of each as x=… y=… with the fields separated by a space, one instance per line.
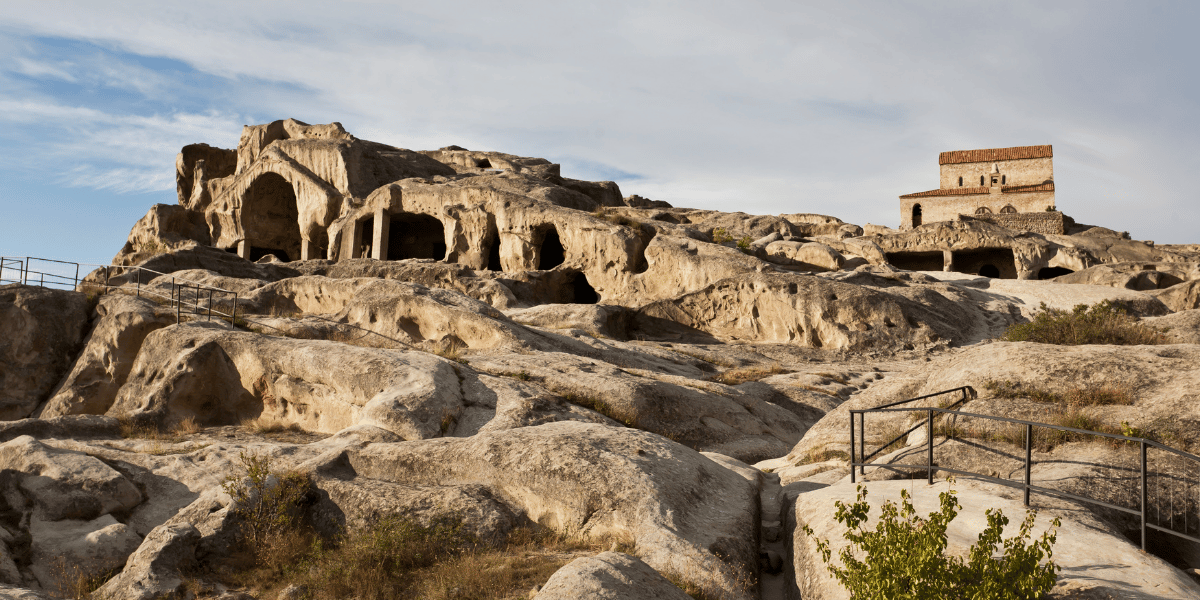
x=470 y=336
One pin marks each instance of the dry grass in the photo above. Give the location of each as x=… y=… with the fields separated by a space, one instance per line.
x=450 y=350
x=815 y=455
x=617 y=219
x=262 y=425
x=1091 y=395
x=739 y=376
x=188 y=426
x=74 y=583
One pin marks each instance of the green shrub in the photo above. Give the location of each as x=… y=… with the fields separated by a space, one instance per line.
x=1102 y=323
x=904 y=557
x=268 y=505
x=721 y=235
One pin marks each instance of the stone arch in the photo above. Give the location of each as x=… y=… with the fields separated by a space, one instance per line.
x=551 y=252
x=916 y=215
x=415 y=235
x=983 y=210
x=271 y=218
x=1008 y=210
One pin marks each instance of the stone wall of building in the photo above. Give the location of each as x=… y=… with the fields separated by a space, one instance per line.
x=1048 y=223
x=1029 y=171
x=947 y=208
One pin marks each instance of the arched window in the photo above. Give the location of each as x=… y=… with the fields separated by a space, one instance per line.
x=1009 y=210
x=916 y=215
x=981 y=179
x=960 y=182
x=983 y=210
x=1003 y=178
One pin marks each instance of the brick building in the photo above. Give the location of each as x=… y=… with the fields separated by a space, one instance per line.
x=989 y=184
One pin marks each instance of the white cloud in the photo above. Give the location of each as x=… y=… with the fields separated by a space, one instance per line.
x=778 y=106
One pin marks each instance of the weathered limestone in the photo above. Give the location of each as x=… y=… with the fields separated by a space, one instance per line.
x=65 y=484
x=42 y=329
x=686 y=513
x=611 y=576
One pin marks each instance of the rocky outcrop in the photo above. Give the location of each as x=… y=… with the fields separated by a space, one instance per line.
x=687 y=514
x=610 y=576
x=155 y=569
x=122 y=323
x=42 y=329
x=64 y=484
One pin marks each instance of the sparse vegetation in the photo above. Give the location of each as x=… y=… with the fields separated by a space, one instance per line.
x=744 y=245
x=268 y=505
x=602 y=407
x=739 y=376
x=904 y=556
x=720 y=236
x=1101 y=323
x=1091 y=395
x=264 y=424
x=450 y=350
x=822 y=455
x=74 y=583
x=152 y=247
x=617 y=218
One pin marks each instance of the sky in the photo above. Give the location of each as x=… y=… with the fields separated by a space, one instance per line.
x=761 y=107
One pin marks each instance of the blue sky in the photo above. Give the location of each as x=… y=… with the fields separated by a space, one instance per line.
x=765 y=107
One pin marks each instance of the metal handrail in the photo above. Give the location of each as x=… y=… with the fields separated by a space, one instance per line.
x=1142 y=512
x=178 y=284
x=967 y=392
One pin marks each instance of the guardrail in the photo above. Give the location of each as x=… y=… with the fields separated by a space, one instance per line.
x=192 y=298
x=1169 y=478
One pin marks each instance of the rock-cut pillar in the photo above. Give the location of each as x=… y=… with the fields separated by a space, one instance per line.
x=379 y=245
x=243 y=249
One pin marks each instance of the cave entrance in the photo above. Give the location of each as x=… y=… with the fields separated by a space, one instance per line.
x=270 y=218
x=1052 y=272
x=552 y=252
x=582 y=292
x=916 y=261
x=367 y=239
x=493 y=252
x=997 y=263
x=412 y=235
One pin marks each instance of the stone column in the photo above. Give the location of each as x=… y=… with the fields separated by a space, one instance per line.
x=379 y=245
x=947 y=260
x=307 y=250
x=243 y=249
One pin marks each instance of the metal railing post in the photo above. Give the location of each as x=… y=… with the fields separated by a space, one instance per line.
x=929 y=471
x=1144 y=511
x=139 y=281
x=233 y=317
x=1028 y=459
x=1 y=270
x=175 y=294
x=106 y=277
x=25 y=272
x=76 y=274
x=862 y=443
x=852 y=478
x=210 y=295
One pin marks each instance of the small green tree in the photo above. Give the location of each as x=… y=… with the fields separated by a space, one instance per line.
x=904 y=557
x=268 y=503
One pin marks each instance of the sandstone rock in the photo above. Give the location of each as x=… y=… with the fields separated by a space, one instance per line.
x=1183 y=296
x=1091 y=558
x=682 y=509
x=109 y=352
x=69 y=427
x=424 y=272
x=12 y=592
x=71 y=547
x=219 y=376
x=165 y=227
x=8 y=567
x=609 y=575
x=1182 y=327
x=716 y=419
x=154 y=569
x=611 y=321
x=811 y=256
x=42 y=332
x=793 y=309
x=65 y=484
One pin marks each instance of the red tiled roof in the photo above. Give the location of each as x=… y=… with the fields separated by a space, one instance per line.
x=994 y=154
x=1008 y=189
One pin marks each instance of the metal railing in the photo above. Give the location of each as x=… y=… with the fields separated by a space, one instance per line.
x=1174 y=468
x=192 y=298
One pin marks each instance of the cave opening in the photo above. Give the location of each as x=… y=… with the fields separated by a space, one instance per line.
x=1052 y=272
x=552 y=252
x=582 y=292
x=271 y=218
x=412 y=235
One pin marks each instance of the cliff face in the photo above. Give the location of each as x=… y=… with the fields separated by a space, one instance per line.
x=469 y=341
